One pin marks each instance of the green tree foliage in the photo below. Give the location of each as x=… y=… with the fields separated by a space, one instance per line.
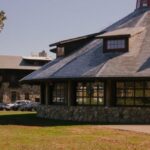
x=2 y=18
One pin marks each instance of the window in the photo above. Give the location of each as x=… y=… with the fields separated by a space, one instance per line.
x=116 y=44
x=59 y=93
x=14 y=96
x=13 y=81
x=27 y=96
x=135 y=93
x=36 y=63
x=90 y=93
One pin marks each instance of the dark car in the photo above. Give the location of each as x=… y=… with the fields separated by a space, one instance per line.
x=2 y=106
x=29 y=107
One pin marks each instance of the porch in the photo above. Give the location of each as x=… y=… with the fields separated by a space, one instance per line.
x=104 y=101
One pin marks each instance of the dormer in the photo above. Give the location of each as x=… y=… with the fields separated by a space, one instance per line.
x=142 y=4
x=119 y=40
x=67 y=47
x=60 y=52
x=116 y=43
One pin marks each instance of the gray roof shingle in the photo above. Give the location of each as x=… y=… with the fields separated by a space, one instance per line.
x=90 y=61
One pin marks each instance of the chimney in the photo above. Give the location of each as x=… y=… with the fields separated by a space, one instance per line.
x=42 y=54
x=142 y=4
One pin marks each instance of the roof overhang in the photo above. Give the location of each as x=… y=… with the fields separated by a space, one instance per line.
x=76 y=39
x=37 y=58
x=123 y=32
x=53 y=50
x=21 y=68
x=117 y=78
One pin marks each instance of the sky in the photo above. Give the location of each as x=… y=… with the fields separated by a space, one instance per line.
x=32 y=25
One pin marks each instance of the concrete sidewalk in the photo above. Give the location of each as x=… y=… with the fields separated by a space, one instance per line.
x=135 y=128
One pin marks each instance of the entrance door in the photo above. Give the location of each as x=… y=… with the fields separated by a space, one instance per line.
x=13 y=96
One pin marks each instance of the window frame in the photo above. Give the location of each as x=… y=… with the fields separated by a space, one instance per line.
x=62 y=91
x=90 y=97
x=115 y=38
x=135 y=98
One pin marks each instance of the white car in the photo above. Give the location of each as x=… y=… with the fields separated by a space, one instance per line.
x=17 y=104
x=9 y=106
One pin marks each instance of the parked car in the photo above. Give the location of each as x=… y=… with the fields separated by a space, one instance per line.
x=9 y=106
x=29 y=107
x=2 y=106
x=20 y=103
x=16 y=105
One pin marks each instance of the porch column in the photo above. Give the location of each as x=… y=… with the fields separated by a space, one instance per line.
x=71 y=96
x=108 y=92
x=69 y=93
x=42 y=93
x=46 y=94
x=50 y=93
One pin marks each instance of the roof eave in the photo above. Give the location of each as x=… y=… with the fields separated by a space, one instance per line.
x=110 y=36
x=22 y=81
x=76 y=39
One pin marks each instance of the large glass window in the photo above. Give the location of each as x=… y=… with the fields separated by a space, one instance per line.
x=133 y=93
x=90 y=93
x=59 y=93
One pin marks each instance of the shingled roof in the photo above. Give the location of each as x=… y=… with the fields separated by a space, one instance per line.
x=91 y=62
x=17 y=63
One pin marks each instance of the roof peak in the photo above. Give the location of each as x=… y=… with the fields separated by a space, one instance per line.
x=142 y=4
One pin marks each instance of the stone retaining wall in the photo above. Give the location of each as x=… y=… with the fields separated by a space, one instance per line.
x=127 y=115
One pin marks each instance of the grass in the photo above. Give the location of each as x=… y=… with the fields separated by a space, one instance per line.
x=23 y=131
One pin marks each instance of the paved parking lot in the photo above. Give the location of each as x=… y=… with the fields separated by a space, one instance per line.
x=136 y=128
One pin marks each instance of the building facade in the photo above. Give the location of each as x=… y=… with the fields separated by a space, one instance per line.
x=103 y=77
x=12 y=69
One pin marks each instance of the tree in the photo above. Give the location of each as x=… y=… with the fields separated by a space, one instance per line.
x=2 y=18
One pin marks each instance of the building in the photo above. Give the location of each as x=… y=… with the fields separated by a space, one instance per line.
x=12 y=69
x=102 y=77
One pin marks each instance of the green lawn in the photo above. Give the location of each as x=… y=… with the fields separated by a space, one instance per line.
x=23 y=131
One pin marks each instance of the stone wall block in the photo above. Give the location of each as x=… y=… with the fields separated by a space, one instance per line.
x=127 y=115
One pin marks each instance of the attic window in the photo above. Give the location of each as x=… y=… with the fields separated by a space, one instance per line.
x=115 y=44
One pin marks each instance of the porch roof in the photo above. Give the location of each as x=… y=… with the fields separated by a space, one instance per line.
x=16 y=62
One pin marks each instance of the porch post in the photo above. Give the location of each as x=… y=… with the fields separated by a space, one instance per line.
x=50 y=93
x=46 y=94
x=108 y=93
x=42 y=93
x=69 y=93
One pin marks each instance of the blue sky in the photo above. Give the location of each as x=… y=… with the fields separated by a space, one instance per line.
x=34 y=24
